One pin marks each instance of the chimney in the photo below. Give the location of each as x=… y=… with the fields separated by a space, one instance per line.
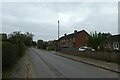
x=75 y=31
x=65 y=34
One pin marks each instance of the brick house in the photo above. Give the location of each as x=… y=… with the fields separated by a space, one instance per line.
x=113 y=42
x=74 y=40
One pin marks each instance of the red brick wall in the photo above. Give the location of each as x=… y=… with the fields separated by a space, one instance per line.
x=81 y=39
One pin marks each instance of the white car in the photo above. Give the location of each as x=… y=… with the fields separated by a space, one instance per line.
x=92 y=49
x=85 y=48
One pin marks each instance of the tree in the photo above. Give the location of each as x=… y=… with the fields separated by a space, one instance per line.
x=97 y=40
x=17 y=37
x=41 y=44
x=28 y=38
x=45 y=44
x=34 y=43
x=3 y=37
x=14 y=37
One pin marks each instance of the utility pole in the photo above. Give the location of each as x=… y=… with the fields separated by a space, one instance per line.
x=58 y=28
x=57 y=45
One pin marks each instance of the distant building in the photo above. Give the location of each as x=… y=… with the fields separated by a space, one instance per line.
x=3 y=36
x=113 y=42
x=75 y=40
x=52 y=43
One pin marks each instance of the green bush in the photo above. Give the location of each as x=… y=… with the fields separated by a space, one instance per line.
x=9 y=54
x=21 y=48
x=50 y=48
x=116 y=51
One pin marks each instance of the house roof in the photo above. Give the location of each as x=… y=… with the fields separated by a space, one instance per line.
x=72 y=35
x=114 y=38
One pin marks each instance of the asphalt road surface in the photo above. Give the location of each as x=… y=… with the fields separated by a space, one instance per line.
x=48 y=65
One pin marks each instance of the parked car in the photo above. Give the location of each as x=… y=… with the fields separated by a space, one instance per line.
x=85 y=48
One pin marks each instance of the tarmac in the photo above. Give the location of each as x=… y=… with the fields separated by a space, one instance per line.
x=114 y=67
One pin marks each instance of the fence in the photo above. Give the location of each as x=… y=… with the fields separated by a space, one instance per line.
x=105 y=56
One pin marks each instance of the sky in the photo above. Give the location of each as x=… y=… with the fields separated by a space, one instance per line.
x=40 y=18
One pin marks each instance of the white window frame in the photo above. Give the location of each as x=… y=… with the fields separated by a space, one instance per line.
x=116 y=45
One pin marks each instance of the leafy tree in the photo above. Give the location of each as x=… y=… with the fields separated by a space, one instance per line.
x=17 y=37
x=34 y=43
x=45 y=45
x=3 y=37
x=41 y=44
x=28 y=38
x=14 y=37
x=97 y=40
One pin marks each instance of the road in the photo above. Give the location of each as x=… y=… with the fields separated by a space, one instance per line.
x=48 y=65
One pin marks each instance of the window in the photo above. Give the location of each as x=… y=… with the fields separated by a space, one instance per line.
x=116 y=45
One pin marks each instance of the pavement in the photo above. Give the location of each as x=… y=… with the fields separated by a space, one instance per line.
x=97 y=63
x=22 y=69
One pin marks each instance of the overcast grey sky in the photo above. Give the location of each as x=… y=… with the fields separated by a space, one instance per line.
x=40 y=18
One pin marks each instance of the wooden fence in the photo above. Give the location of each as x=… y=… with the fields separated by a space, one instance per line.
x=105 y=56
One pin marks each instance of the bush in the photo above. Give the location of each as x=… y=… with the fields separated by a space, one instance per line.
x=21 y=48
x=50 y=48
x=116 y=51
x=9 y=54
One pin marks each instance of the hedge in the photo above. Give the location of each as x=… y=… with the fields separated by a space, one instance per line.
x=21 y=48
x=9 y=54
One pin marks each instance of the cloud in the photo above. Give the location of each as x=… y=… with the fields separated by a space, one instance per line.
x=41 y=18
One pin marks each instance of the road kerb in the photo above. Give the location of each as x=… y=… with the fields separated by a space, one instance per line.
x=89 y=63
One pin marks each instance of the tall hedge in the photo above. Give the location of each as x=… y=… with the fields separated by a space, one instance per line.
x=21 y=48
x=9 y=54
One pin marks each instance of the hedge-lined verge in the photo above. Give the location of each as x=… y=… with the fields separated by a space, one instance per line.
x=10 y=53
x=21 y=48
